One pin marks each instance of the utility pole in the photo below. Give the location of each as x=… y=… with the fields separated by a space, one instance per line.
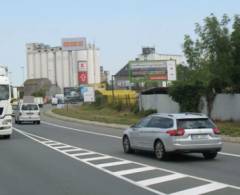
x=113 y=96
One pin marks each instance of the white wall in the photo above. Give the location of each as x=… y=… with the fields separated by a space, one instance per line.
x=225 y=107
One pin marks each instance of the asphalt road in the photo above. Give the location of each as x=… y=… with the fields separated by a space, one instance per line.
x=63 y=158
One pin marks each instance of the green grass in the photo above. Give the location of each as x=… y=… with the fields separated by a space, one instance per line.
x=229 y=128
x=109 y=115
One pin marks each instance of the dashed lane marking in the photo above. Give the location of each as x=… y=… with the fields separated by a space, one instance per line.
x=172 y=176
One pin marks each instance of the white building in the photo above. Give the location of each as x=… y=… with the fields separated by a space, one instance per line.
x=74 y=63
x=148 y=53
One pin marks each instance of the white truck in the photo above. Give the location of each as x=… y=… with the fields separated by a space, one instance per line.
x=5 y=104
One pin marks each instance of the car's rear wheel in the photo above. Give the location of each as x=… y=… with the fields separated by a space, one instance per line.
x=6 y=136
x=209 y=155
x=126 y=145
x=159 y=150
x=38 y=122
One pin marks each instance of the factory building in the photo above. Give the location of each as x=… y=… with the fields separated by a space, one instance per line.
x=73 y=64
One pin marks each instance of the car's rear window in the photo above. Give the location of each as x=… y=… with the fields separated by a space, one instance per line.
x=202 y=123
x=29 y=107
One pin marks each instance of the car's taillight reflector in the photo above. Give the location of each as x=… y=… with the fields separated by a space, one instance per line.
x=178 y=132
x=216 y=130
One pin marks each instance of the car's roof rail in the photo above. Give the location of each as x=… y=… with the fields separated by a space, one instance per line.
x=194 y=113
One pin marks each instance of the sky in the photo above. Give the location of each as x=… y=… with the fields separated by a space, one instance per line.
x=119 y=28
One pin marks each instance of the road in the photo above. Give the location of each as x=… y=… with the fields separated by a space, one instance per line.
x=64 y=158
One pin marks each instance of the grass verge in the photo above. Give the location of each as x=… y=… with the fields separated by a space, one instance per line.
x=109 y=115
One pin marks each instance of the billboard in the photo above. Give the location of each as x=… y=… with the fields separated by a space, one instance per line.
x=82 y=77
x=72 y=94
x=89 y=94
x=158 y=70
x=74 y=44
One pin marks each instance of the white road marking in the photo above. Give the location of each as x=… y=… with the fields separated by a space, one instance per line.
x=135 y=170
x=116 y=137
x=54 y=144
x=96 y=158
x=113 y=164
x=201 y=189
x=157 y=180
x=141 y=184
x=48 y=142
x=82 y=154
x=229 y=154
x=73 y=150
x=61 y=147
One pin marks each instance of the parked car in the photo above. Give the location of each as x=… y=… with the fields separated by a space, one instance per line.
x=54 y=101
x=168 y=133
x=28 y=112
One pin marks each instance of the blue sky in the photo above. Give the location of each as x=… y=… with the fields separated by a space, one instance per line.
x=119 y=28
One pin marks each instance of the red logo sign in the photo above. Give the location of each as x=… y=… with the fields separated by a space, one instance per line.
x=82 y=78
x=158 y=77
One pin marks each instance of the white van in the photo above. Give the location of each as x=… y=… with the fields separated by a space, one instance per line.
x=28 y=112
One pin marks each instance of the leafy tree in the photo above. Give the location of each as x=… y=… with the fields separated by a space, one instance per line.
x=210 y=62
x=235 y=41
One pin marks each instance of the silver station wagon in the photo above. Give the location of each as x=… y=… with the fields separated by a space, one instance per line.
x=166 y=133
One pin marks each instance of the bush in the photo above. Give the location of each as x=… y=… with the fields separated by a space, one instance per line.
x=187 y=94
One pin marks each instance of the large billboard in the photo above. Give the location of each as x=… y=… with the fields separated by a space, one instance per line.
x=74 y=44
x=155 y=70
x=72 y=94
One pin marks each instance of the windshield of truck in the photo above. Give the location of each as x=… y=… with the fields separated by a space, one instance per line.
x=4 y=92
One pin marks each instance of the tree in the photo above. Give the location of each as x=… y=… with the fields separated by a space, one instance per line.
x=235 y=41
x=209 y=59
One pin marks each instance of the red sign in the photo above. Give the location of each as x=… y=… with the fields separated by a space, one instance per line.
x=82 y=77
x=158 y=77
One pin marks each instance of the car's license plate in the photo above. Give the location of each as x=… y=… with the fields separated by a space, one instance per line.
x=29 y=113
x=200 y=136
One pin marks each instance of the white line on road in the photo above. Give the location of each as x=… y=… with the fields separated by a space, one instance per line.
x=72 y=150
x=135 y=170
x=82 y=154
x=113 y=164
x=96 y=158
x=201 y=189
x=157 y=180
x=113 y=136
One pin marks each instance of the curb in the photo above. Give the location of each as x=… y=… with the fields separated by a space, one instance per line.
x=225 y=138
x=112 y=125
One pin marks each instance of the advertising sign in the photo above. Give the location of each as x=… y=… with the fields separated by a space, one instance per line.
x=155 y=70
x=82 y=66
x=83 y=77
x=74 y=44
x=89 y=94
x=72 y=94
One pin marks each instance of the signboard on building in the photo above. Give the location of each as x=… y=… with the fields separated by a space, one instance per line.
x=83 y=77
x=82 y=66
x=74 y=44
x=89 y=94
x=154 y=70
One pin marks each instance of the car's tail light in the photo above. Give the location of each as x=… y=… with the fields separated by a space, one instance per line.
x=176 y=132
x=216 y=130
